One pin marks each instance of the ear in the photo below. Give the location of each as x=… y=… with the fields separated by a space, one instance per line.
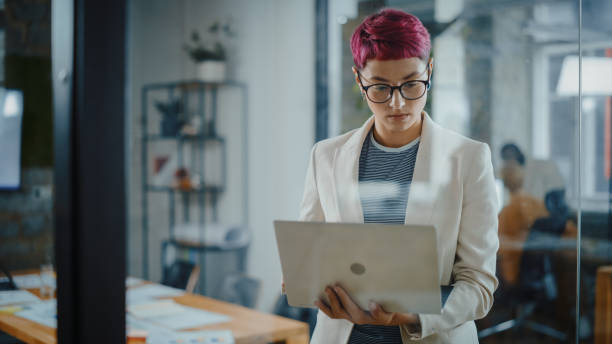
x=431 y=65
x=357 y=78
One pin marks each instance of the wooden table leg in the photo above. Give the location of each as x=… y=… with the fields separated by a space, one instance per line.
x=603 y=305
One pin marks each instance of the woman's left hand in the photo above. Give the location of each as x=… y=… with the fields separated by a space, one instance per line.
x=343 y=307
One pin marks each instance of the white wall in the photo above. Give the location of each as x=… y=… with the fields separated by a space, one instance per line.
x=274 y=56
x=512 y=93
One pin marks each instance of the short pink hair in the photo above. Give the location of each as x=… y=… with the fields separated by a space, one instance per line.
x=389 y=35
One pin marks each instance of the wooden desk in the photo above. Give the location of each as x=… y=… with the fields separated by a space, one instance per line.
x=247 y=325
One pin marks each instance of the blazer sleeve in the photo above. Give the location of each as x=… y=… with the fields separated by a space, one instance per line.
x=477 y=244
x=310 y=209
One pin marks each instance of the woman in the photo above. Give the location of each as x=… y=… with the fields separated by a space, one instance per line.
x=401 y=167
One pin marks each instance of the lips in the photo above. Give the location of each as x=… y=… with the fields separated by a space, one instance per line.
x=399 y=115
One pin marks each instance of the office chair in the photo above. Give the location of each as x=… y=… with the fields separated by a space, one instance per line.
x=240 y=289
x=537 y=283
x=182 y=275
x=6 y=283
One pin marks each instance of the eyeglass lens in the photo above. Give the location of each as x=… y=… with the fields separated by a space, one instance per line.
x=409 y=90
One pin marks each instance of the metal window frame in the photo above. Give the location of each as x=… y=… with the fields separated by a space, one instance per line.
x=88 y=59
x=321 y=69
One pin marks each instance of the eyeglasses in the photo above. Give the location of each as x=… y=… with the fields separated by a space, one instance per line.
x=410 y=90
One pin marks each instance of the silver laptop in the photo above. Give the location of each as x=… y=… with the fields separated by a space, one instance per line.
x=393 y=265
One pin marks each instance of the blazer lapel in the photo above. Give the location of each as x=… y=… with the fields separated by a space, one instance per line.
x=429 y=174
x=427 y=178
x=346 y=175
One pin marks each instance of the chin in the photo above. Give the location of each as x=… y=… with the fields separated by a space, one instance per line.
x=400 y=123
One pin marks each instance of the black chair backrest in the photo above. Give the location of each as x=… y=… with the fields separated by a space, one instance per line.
x=9 y=284
x=536 y=277
x=240 y=289
x=177 y=274
x=555 y=203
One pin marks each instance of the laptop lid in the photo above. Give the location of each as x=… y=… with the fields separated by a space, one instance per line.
x=393 y=265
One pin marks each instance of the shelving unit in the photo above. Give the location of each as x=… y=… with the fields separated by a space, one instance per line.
x=208 y=193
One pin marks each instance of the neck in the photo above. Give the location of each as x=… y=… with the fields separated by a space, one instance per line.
x=516 y=192
x=396 y=139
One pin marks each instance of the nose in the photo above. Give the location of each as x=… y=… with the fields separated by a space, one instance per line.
x=397 y=101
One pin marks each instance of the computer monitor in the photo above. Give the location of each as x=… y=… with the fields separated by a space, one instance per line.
x=11 y=118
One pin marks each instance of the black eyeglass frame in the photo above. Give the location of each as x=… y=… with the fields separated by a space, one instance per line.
x=427 y=84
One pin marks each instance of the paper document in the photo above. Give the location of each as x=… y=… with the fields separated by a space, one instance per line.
x=172 y=315
x=160 y=335
x=155 y=309
x=190 y=318
x=150 y=292
x=206 y=337
x=16 y=297
x=44 y=312
x=133 y=281
x=31 y=281
x=10 y=309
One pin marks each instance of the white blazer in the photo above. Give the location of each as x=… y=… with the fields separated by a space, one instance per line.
x=453 y=189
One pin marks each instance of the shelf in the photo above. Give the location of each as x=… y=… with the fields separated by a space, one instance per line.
x=207 y=189
x=212 y=146
x=202 y=246
x=193 y=84
x=158 y=137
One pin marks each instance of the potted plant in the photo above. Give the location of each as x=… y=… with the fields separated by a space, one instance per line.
x=210 y=57
x=172 y=117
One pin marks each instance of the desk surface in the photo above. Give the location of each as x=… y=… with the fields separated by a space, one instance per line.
x=247 y=325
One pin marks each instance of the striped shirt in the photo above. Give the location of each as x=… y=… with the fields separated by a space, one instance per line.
x=385 y=175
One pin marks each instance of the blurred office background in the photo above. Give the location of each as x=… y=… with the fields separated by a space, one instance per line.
x=217 y=140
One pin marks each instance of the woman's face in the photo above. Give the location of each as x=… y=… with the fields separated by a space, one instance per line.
x=512 y=175
x=396 y=114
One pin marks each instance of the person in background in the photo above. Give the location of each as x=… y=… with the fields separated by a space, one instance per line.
x=540 y=176
x=516 y=220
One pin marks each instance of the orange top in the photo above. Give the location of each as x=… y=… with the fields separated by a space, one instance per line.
x=515 y=220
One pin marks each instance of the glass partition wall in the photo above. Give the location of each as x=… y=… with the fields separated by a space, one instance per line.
x=27 y=174
x=221 y=119
x=507 y=73
x=219 y=151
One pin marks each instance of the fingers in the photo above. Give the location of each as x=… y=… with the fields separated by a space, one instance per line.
x=323 y=307
x=375 y=310
x=342 y=306
x=336 y=307
x=357 y=315
x=382 y=317
x=379 y=315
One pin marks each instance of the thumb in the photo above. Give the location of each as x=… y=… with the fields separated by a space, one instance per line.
x=376 y=311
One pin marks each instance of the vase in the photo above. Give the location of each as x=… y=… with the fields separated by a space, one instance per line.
x=211 y=71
